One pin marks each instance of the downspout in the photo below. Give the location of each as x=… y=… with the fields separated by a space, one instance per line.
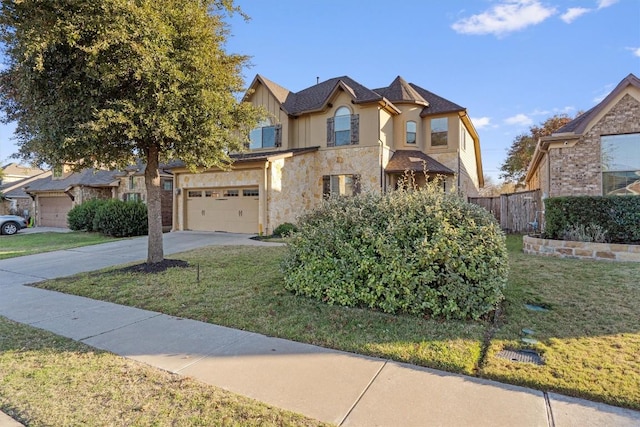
x=380 y=152
x=459 y=181
x=265 y=200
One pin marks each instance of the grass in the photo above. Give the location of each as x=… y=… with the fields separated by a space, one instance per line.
x=34 y=243
x=49 y=380
x=589 y=339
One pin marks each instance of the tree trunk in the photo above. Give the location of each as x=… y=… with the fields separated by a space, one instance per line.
x=155 y=251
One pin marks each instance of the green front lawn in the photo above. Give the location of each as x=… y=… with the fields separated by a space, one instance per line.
x=47 y=380
x=589 y=339
x=34 y=243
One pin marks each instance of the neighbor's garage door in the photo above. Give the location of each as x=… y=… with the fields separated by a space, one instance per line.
x=234 y=210
x=54 y=210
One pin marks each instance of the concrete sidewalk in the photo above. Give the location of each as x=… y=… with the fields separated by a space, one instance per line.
x=333 y=386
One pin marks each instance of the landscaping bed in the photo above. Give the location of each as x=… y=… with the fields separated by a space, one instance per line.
x=588 y=338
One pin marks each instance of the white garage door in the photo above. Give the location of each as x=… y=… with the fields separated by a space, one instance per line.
x=54 y=210
x=234 y=210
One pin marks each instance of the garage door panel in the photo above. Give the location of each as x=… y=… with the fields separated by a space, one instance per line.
x=54 y=210
x=230 y=210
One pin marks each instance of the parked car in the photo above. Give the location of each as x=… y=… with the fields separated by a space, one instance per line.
x=11 y=224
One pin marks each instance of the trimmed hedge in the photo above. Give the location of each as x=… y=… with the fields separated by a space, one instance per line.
x=619 y=216
x=421 y=252
x=80 y=217
x=117 y=218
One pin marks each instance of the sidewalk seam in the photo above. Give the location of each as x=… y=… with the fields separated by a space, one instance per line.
x=547 y=403
x=363 y=393
x=121 y=327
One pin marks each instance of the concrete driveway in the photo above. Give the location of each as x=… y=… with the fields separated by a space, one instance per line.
x=50 y=265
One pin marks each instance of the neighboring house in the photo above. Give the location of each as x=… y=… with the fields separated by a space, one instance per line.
x=13 y=172
x=16 y=200
x=56 y=194
x=598 y=153
x=336 y=137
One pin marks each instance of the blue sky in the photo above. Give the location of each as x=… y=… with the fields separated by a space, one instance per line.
x=511 y=63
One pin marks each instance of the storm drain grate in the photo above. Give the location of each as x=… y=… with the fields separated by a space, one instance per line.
x=525 y=356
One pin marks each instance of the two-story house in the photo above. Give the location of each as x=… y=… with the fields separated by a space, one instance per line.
x=334 y=138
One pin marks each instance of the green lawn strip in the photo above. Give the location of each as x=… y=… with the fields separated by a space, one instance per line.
x=241 y=287
x=49 y=380
x=34 y=243
x=589 y=338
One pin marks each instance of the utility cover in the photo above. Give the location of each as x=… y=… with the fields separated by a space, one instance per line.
x=524 y=356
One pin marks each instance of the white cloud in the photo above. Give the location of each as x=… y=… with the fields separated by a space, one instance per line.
x=606 y=3
x=519 y=119
x=635 y=50
x=537 y=112
x=574 y=13
x=481 y=122
x=505 y=17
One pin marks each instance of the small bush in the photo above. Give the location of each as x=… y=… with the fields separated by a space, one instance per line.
x=80 y=217
x=121 y=219
x=421 y=252
x=582 y=233
x=618 y=215
x=284 y=230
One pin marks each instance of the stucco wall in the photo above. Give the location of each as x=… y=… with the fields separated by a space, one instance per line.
x=577 y=170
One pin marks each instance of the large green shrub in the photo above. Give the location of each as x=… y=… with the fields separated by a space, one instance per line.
x=618 y=216
x=121 y=219
x=421 y=252
x=80 y=217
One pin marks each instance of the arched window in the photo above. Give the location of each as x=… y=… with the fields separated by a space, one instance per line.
x=411 y=132
x=342 y=121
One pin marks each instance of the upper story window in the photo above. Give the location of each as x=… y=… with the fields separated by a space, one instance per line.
x=343 y=128
x=132 y=182
x=411 y=129
x=620 y=164
x=265 y=135
x=439 y=132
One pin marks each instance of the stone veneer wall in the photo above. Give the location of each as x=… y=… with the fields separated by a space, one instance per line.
x=581 y=250
x=577 y=171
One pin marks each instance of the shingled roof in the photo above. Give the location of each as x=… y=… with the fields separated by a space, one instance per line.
x=318 y=96
x=416 y=161
x=85 y=178
x=579 y=124
x=399 y=91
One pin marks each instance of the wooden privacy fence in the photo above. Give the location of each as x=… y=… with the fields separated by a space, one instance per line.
x=520 y=212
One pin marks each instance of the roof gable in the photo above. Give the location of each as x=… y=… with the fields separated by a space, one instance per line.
x=399 y=91
x=317 y=97
x=580 y=123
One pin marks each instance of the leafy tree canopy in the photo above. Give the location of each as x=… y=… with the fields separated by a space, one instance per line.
x=102 y=82
x=514 y=168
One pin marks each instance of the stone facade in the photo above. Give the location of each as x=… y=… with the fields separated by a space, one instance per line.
x=577 y=170
x=581 y=250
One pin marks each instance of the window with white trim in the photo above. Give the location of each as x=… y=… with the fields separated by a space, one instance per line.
x=343 y=128
x=410 y=132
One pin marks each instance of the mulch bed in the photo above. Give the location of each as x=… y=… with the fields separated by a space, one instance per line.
x=154 y=268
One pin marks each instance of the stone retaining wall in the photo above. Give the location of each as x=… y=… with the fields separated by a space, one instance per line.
x=581 y=250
